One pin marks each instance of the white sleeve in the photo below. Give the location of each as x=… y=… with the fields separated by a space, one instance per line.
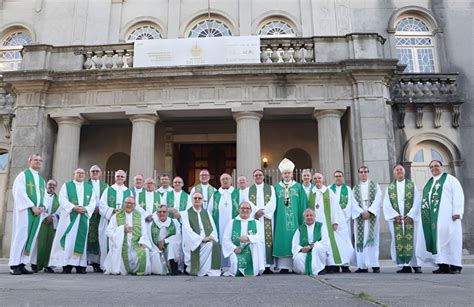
x=104 y=209
x=64 y=203
x=458 y=196
x=414 y=212
x=388 y=211
x=295 y=243
x=228 y=246
x=269 y=209
x=375 y=206
x=22 y=200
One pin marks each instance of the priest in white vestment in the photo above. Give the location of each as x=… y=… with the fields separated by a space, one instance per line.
x=148 y=200
x=241 y=243
x=329 y=213
x=442 y=209
x=345 y=199
x=164 y=188
x=242 y=185
x=307 y=184
x=127 y=232
x=205 y=188
x=77 y=202
x=137 y=188
x=178 y=200
x=262 y=195
x=310 y=246
x=401 y=208
x=28 y=191
x=202 y=252
x=111 y=202
x=164 y=237
x=366 y=214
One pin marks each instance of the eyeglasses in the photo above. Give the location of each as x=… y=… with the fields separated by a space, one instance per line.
x=245 y=208
x=363 y=172
x=434 y=166
x=338 y=176
x=162 y=211
x=197 y=198
x=118 y=176
x=95 y=171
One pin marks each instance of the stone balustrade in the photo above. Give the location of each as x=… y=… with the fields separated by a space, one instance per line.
x=107 y=56
x=423 y=91
x=286 y=50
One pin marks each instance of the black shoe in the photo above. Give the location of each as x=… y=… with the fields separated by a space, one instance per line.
x=345 y=269
x=173 y=267
x=443 y=269
x=454 y=269
x=81 y=270
x=267 y=271
x=328 y=269
x=362 y=271
x=34 y=268
x=15 y=270
x=322 y=272
x=376 y=270
x=417 y=270
x=48 y=270
x=284 y=271
x=23 y=270
x=67 y=269
x=97 y=268
x=405 y=269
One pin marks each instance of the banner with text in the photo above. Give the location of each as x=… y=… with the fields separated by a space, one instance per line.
x=197 y=51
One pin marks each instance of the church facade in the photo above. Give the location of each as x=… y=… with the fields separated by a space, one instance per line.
x=340 y=84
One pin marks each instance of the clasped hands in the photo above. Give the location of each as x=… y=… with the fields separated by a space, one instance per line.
x=403 y=220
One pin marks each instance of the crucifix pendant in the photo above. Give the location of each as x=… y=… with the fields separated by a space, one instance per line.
x=226 y=204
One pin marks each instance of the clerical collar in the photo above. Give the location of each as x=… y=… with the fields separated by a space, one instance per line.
x=196 y=210
x=307 y=186
x=139 y=189
x=51 y=194
x=241 y=219
x=366 y=182
x=149 y=191
x=176 y=191
x=259 y=184
x=401 y=181
x=33 y=171
x=437 y=177
x=309 y=225
x=77 y=182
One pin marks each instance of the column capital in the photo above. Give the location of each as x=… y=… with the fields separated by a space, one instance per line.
x=71 y=120
x=148 y=118
x=318 y=114
x=247 y=115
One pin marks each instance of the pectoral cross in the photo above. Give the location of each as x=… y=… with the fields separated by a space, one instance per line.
x=31 y=186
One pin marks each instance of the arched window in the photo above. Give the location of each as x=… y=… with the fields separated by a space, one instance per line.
x=11 y=45
x=422 y=155
x=415 y=45
x=210 y=28
x=3 y=161
x=144 y=31
x=276 y=27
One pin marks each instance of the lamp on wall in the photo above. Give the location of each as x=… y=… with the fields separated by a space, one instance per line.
x=265 y=162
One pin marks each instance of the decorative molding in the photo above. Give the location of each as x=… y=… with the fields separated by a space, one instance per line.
x=419 y=116
x=456 y=112
x=7 y=123
x=437 y=109
x=401 y=116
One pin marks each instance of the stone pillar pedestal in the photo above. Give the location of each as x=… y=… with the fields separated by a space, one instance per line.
x=330 y=142
x=142 y=153
x=248 y=142
x=66 y=153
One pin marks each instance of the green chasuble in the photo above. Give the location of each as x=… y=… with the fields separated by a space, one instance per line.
x=244 y=259
x=183 y=200
x=155 y=237
x=142 y=200
x=328 y=221
x=210 y=191
x=33 y=220
x=372 y=191
x=112 y=197
x=235 y=196
x=136 y=235
x=267 y=195
x=403 y=233
x=305 y=242
x=311 y=186
x=288 y=217
x=81 y=236
x=344 y=197
x=93 y=236
x=46 y=237
x=216 y=248
x=430 y=210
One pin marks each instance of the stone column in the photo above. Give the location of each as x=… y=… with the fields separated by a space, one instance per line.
x=329 y=142
x=248 y=142
x=66 y=152
x=142 y=153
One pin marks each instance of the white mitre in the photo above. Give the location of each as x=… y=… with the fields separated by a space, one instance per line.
x=286 y=166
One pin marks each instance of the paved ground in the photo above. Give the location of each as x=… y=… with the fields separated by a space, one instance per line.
x=369 y=289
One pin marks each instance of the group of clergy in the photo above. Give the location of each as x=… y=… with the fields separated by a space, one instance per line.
x=305 y=227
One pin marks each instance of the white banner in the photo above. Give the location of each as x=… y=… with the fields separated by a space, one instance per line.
x=197 y=51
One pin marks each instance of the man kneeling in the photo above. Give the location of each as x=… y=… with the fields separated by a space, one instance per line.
x=127 y=253
x=310 y=246
x=241 y=242
x=165 y=235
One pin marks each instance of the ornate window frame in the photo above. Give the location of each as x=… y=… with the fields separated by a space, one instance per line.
x=144 y=25
x=285 y=22
x=214 y=19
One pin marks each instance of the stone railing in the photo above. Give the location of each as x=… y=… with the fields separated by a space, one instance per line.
x=107 y=56
x=421 y=90
x=286 y=50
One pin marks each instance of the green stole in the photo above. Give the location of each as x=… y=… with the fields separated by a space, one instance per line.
x=210 y=190
x=136 y=234
x=267 y=195
x=142 y=200
x=33 y=220
x=344 y=197
x=134 y=193
x=234 y=196
x=46 y=238
x=304 y=242
x=430 y=210
x=155 y=235
x=82 y=229
x=403 y=235
x=93 y=236
x=288 y=218
x=372 y=190
x=183 y=200
x=311 y=186
x=112 y=197
x=327 y=213
x=244 y=259
x=216 y=248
